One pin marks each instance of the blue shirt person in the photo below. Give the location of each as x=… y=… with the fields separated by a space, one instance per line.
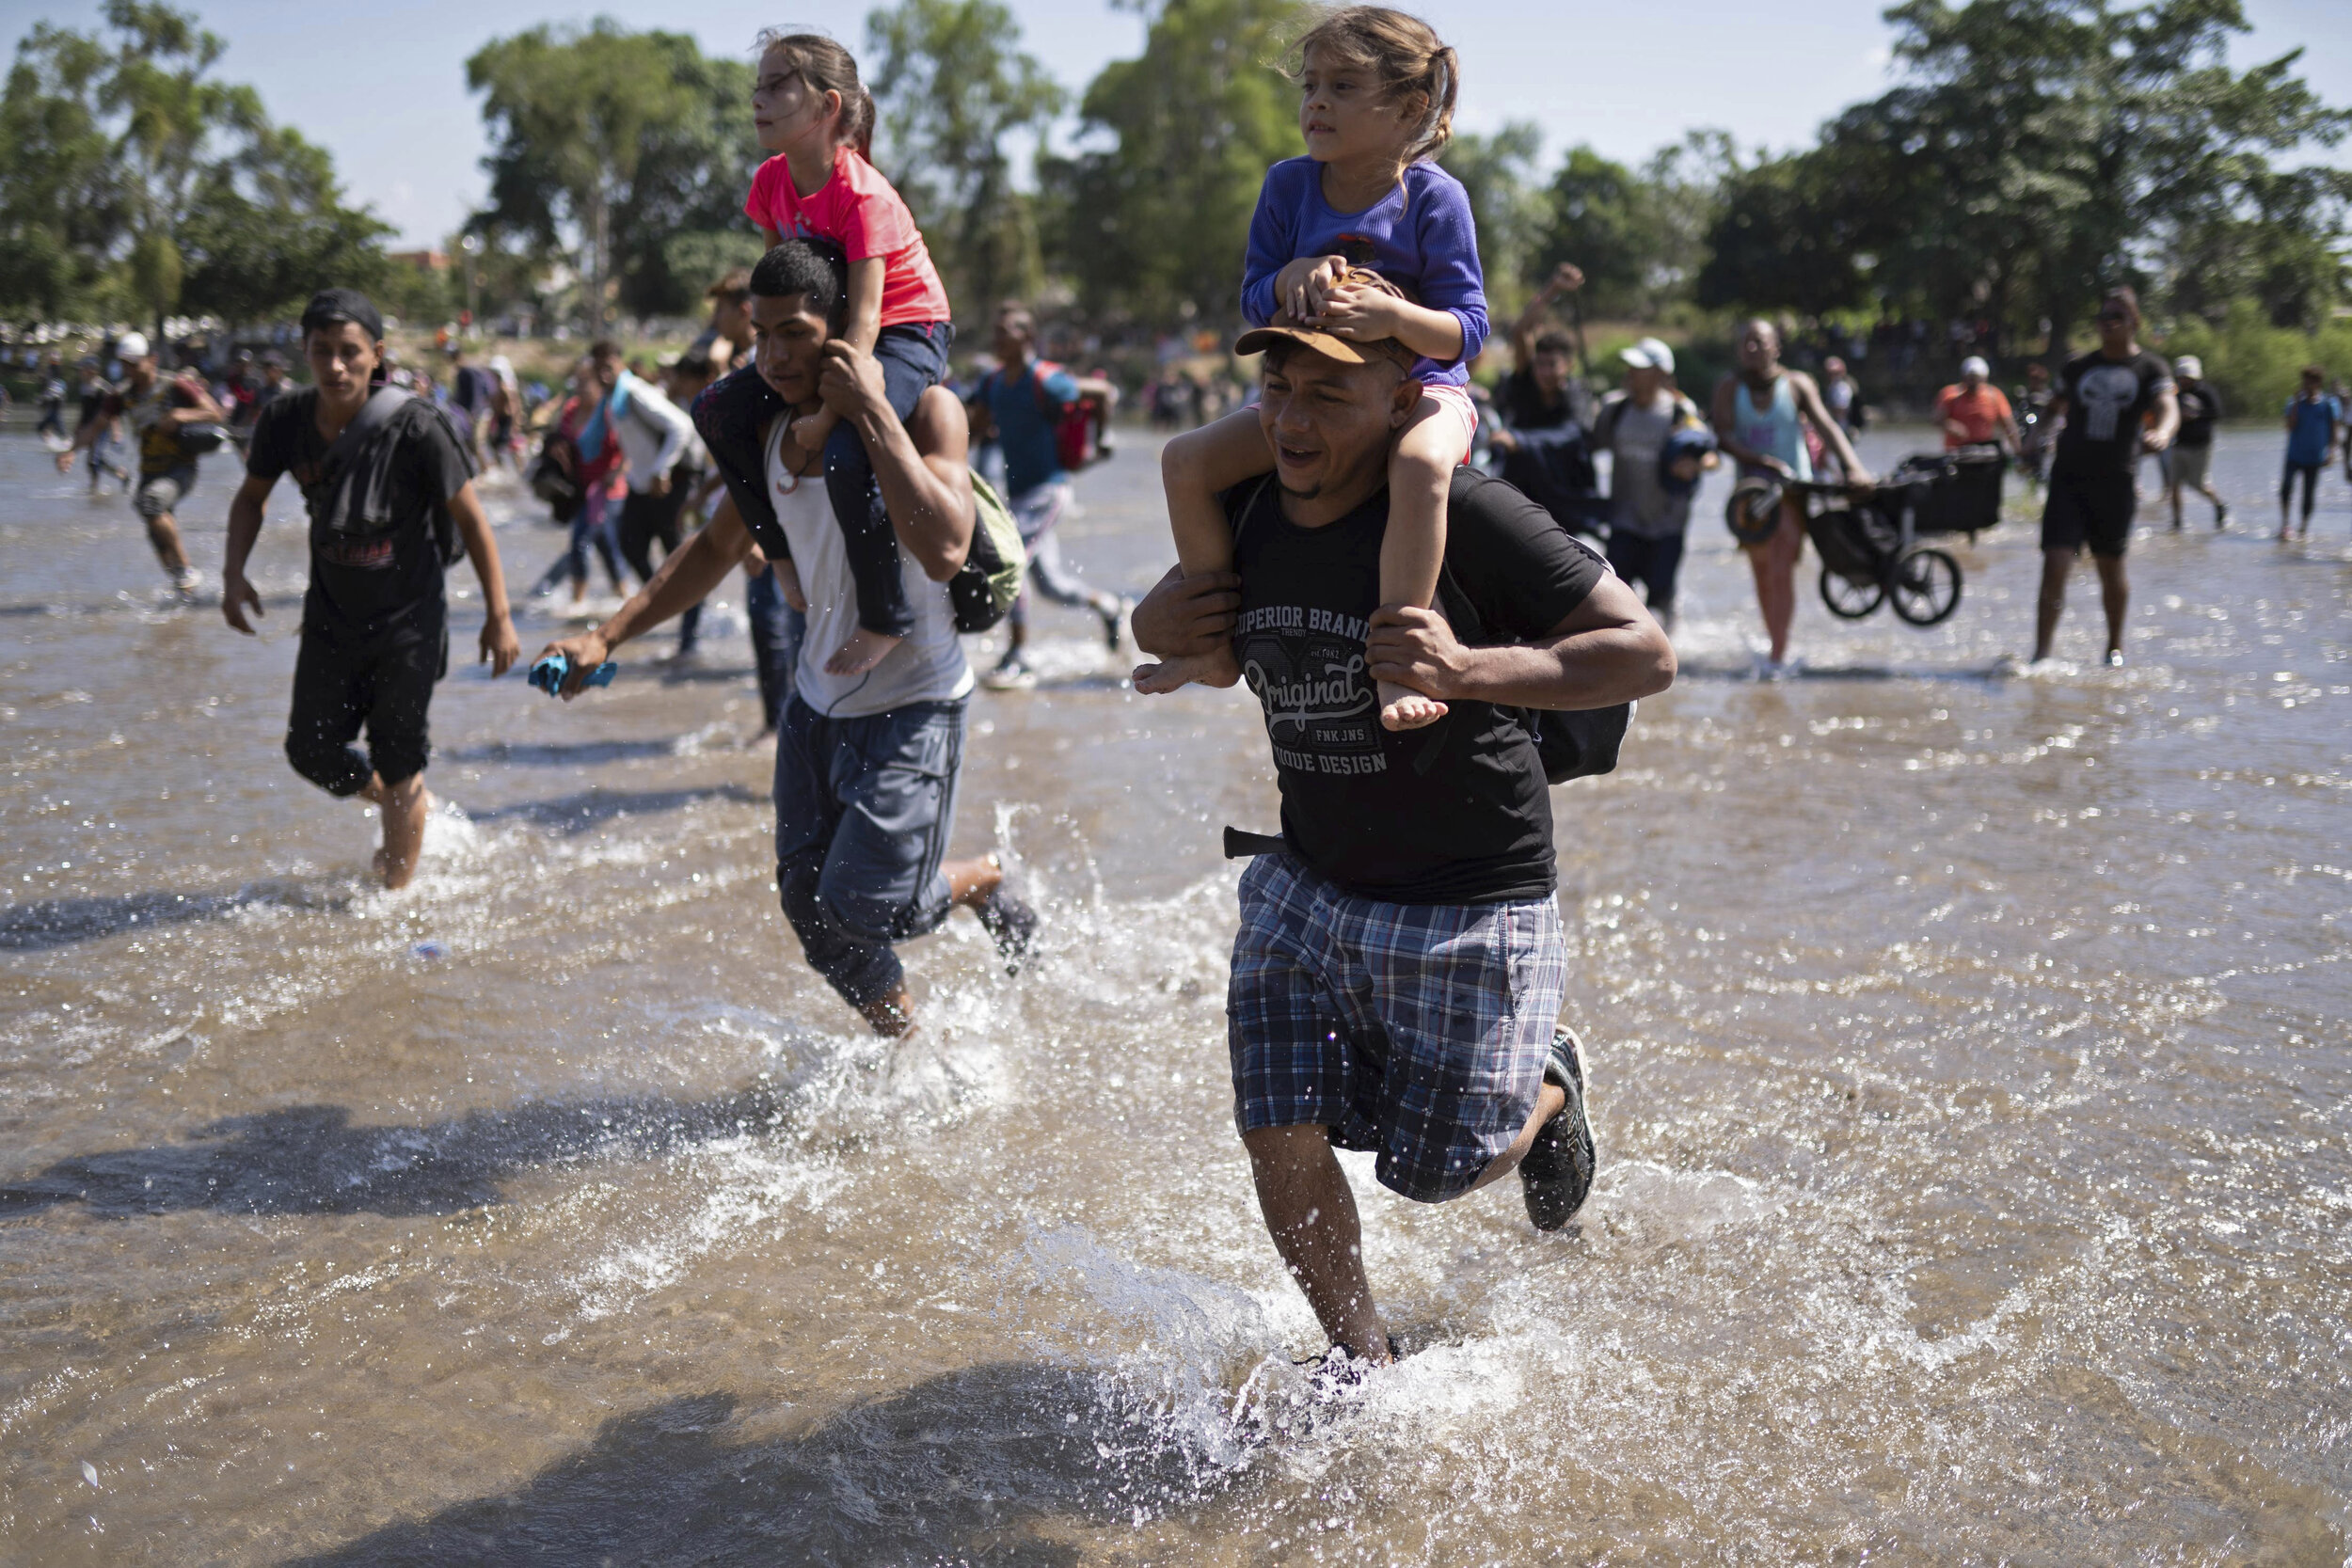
x=2312 y=419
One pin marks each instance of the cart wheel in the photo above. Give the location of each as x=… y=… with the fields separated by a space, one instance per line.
x=1849 y=598
x=1925 y=587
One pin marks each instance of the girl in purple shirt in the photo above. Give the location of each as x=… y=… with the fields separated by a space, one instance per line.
x=1376 y=103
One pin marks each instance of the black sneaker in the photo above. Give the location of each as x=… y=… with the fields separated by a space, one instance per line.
x=1012 y=925
x=1115 y=621
x=1557 y=1173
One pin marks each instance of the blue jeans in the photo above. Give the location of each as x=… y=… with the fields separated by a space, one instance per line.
x=863 y=808
x=776 y=632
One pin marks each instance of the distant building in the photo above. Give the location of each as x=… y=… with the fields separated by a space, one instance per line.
x=423 y=261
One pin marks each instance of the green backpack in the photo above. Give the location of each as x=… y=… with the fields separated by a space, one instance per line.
x=984 y=587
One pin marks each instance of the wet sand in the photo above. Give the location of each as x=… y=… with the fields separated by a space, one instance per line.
x=1969 y=1055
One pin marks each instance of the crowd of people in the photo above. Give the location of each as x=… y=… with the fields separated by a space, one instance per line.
x=1431 y=646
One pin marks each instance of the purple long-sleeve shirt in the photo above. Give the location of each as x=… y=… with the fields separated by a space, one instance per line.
x=1419 y=236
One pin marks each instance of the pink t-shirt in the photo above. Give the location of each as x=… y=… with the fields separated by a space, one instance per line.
x=859 y=210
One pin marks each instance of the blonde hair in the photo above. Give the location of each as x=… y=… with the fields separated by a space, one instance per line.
x=1406 y=54
x=824 y=66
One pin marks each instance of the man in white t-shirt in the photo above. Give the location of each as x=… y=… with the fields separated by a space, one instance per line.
x=866 y=764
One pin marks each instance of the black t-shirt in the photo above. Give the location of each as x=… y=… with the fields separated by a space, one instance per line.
x=2201 y=406
x=2104 y=401
x=1523 y=405
x=369 y=578
x=1455 y=813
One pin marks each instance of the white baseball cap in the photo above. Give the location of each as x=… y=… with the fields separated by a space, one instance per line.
x=1649 y=355
x=132 y=345
x=1975 y=365
x=2190 y=366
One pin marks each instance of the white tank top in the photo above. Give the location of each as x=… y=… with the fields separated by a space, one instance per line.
x=928 y=666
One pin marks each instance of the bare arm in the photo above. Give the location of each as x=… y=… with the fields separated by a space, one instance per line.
x=1607 y=651
x=498 y=645
x=1832 y=434
x=1186 y=615
x=244 y=526
x=866 y=292
x=1565 y=279
x=686 y=577
x=920 y=465
x=203 y=411
x=2167 y=423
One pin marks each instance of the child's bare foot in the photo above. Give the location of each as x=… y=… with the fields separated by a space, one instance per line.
x=1404 y=708
x=862 y=651
x=405 y=805
x=1211 y=668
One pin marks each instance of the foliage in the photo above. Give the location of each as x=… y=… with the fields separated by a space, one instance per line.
x=1151 y=217
x=613 y=141
x=1498 y=172
x=136 y=180
x=2254 y=362
x=952 y=87
x=2038 y=151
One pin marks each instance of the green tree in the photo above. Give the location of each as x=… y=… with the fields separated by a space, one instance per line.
x=1599 y=217
x=953 y=87
x=137 y=180
x=61 y=210
x=1152 y=214
x=603 y=133
x=2037 y=151
x=1498 y=172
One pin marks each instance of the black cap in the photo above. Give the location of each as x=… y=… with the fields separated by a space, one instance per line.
x=329 y=305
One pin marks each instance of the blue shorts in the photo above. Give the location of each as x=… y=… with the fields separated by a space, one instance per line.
x=1416 y=1031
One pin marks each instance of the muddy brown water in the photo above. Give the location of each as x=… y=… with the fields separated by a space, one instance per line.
x=1969 y=1055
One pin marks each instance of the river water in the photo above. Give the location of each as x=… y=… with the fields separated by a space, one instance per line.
x=1968 y=1050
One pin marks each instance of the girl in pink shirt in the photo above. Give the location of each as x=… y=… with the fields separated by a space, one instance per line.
x=811 y=110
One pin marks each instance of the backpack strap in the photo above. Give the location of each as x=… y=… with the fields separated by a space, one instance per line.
x=373 y=416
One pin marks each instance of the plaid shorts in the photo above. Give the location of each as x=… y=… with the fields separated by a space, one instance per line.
x=1418 y=1030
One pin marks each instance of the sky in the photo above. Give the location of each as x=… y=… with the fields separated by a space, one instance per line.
x=383 y=88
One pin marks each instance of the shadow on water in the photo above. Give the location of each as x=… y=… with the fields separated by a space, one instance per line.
x=309 y=1160
x=159 y=599
x=963 y=1467
x=1744 y=673
x=63 y=922
x=572 y=815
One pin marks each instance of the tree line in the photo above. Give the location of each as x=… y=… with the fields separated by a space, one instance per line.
x=2028 y=153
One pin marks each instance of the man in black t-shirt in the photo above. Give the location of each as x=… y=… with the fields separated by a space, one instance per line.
x=2192 y=449
x=387 y=482
x=2104 y=397
x=1397 y=976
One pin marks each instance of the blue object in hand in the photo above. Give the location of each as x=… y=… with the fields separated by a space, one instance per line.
x=548 y=675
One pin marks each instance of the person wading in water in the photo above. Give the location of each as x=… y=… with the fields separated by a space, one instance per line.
x=2104 y=397
x=1760 y=413
x=1398 y=973
x=379 y=471
x=867 y=761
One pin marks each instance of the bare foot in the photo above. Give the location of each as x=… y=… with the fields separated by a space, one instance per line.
x=891 y=1017
x=405 y=806
x=862 y=651
x=1404 y=708
x=1211 y=668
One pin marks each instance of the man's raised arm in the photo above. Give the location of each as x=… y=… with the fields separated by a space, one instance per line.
x=686 y=576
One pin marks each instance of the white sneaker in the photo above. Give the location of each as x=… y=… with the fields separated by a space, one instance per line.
x=187 y=580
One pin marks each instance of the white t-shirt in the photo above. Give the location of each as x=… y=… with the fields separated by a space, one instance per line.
x=928 y=666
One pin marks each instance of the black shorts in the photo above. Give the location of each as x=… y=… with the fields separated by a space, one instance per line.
x=2089 y=509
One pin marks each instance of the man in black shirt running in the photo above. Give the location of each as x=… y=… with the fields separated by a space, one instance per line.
x=1398 y=973
x=2104 y=396
x=390 y=488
